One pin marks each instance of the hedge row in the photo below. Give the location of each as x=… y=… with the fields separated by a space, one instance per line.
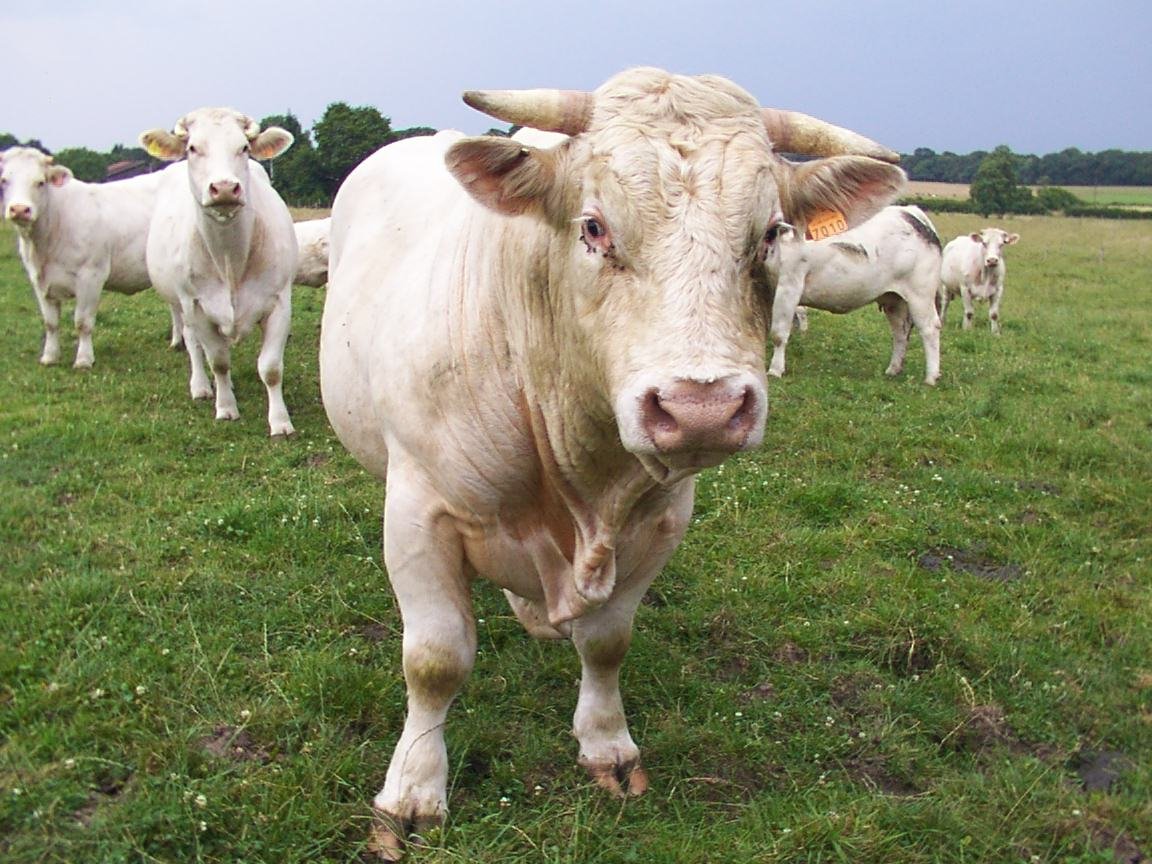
x=965 y=205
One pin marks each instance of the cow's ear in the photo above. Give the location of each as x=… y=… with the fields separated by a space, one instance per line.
x=977 y=237
x=502 y=174
x=162 y=144
x=1009 y=239
x=58 y=175
x=271 y=143
x=855 y=186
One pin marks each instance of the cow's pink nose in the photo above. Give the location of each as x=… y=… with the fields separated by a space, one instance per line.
x=699 y=416
x=991 y=262
x=19 y=212
x=224 y=191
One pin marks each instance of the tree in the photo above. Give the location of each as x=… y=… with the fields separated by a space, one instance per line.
x=996 y=187
x=85 y=164
x=345 y=136
x=296 y=173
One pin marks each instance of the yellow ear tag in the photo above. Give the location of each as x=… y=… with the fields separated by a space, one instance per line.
x=825 y=224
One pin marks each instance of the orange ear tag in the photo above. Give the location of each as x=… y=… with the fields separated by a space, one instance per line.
x=825 y=224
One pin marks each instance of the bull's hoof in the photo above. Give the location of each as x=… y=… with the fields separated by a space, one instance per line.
x=391 y=835
x=626 y=780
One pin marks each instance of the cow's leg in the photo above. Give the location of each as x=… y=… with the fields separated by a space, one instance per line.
x=784 y=307
x=425 y=563
x=50 y=312
x=994 y=310
x=969 y=307
x=896 y=310
x=923 y=314
x=219 y=353
x=199 y=385
x=177 y=340
x=602 y=636
x=87 y=299
x=942 y=300
x=271 y=363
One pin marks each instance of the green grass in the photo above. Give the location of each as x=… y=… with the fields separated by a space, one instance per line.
x=1121 y=196
x=199 y=654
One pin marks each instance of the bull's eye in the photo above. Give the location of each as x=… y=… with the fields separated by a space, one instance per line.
x=245 y=149
x=777 y=228
x=596 y=236
x=193 y=150
x=593 y=228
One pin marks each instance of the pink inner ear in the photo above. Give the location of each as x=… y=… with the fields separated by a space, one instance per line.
x=59 y=179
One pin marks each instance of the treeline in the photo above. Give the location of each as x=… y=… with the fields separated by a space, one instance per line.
x=307 y=175
x=1070 y=167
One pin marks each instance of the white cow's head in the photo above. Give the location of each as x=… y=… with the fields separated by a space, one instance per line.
x=26 y=175
x=664 y=206
x=218 y=143
x=993 y=240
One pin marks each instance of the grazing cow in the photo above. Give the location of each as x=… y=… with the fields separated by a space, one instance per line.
x=540 y=348
x=221 y=249
x=893 y=258
x=312 y=257
x=973 y=267
x=75 y=238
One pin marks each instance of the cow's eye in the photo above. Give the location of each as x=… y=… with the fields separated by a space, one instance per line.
x=777 y=228
x=245 y=149
x=193 y=150
x=593 y=229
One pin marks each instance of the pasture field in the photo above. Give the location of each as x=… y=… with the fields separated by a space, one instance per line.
x=1102 y=196
x=916 y=626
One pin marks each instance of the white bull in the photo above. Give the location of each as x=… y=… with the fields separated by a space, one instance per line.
x=75 y=239
x=222 y=251
x=893 y=258
x=312 y=254
x=539 y=348
x=974 y=268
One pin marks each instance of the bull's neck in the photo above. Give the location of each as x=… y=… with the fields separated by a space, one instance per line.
x=38 y=237
x=228 y=243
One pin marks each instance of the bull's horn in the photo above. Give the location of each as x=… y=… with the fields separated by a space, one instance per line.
x=793 y=132
x=567 y=111
x=251 y=127
x=180 y=130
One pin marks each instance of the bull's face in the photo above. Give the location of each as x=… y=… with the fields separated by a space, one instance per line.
x=994 y=240
x=665 y=211
x=218 y=144
x=26 y=175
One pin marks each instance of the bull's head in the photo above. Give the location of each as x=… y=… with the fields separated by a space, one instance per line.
x=993 y=240
x=665 y=205
x=218 y=142
x=26 y=175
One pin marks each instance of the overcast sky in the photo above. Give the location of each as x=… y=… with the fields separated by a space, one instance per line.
x=1037 y=75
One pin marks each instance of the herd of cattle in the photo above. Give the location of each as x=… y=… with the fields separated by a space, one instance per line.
x=538 y=341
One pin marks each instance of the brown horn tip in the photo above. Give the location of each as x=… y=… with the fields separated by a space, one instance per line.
x=794 y=132
x=566 y=111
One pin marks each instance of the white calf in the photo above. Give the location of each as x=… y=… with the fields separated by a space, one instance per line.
x=221 y=249
x=75 y=239
x=974 y=268
x=893 y=258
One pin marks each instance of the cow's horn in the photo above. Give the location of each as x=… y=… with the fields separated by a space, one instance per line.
x=793 y=132
x=251 y=128
x=567 y=111
x=180 y=130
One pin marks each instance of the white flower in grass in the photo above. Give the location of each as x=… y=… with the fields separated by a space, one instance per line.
x=201 y=800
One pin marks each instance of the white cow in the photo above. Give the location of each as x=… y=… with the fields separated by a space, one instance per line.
x=540 y=348
x=973 y=267
x=893 y=258
x=222 y=251
x=75 y=238
x=312 y=257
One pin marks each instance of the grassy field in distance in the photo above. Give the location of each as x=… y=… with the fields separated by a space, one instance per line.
x=1120 y=196
x=913 y=627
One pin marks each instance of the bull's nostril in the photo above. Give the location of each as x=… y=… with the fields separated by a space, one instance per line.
x=656 y=418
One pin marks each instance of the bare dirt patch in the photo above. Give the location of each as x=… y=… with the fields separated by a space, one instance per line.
x=1099 y=770
x=973 y=561
x=236 y=745
x=874 y=773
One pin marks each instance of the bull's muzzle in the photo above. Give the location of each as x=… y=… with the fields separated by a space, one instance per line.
x=20 y=213
x=694 y=416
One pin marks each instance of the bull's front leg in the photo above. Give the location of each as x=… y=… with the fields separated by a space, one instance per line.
x=602 y=637
x=87 y=300
x=994 y=309
x=969 y=306
x=425 y=563
x=219 y=353
x=271 y=363
x=50 y=313
x=784 y=306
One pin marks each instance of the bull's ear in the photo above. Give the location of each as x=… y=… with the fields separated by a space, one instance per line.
x=1009 y=239
x=58 y=175
x=271 y=143
x=977 y=237
x=502 y=174
x=855 y=186
x=162 y=144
